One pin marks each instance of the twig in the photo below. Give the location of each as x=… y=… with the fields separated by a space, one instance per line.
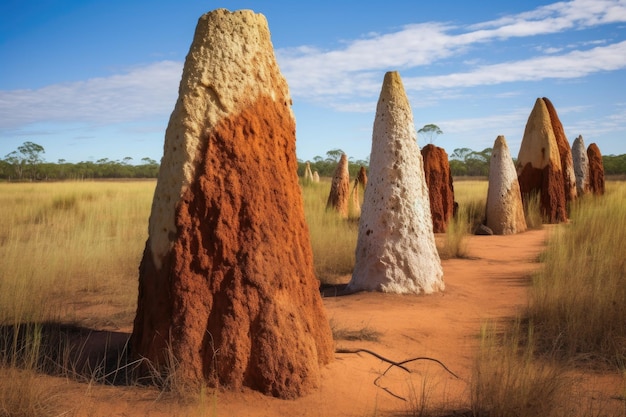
x=382 y=358
x=395 y=364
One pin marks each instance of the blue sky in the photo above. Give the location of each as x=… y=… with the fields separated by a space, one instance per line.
x=94 y=79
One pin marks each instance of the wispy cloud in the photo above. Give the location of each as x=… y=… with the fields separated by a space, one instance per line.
x=354 y=71
x=557 y=17
x=571 y=65
x=142 y=92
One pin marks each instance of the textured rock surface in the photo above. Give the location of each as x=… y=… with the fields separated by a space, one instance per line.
x=339 y=196
x=440 y=188
x=505 y=211
x=396 y=245
x=596 y=170
x=565 y=153
x=226 y=283
x=581 y=165
x=539 y=165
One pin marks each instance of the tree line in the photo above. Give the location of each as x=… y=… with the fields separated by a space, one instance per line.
x=463 y=162
x=26 y=163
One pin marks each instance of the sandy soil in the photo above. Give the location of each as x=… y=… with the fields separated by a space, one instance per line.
x=490 y=285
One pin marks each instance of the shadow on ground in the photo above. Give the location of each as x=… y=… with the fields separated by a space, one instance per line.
x=67 y=350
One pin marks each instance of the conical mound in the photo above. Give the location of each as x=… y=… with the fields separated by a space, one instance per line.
x=440 y=187
x=581 y=166
x=396 y=249
x=565 y=152
x=539 y=165
x=505 y=211
x=227 y=290
x=339 y=195
x=596 y=170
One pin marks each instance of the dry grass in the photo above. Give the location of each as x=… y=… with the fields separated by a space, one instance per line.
x=65 y=250
x=575 y=317
x=532 y=211
x=578 y=299
x=509 y=380
x=70 y=238
x=471 y=196
x=333 y=239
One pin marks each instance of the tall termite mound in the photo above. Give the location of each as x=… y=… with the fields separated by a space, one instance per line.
x=504 y=213
x=596 y=170
x=440 y=187
x=396 y=249
x=339 y=195
x=539 y=165
x=565 y=152
x=581 y=166
x=227 y=289
x=308 y=174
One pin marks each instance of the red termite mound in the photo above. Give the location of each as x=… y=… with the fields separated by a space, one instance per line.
x=227 y=289
x=440 y=188
x=596 y=170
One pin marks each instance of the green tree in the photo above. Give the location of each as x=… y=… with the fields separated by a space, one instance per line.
x=334 y=155
x=26 y=159
x=430 y=131
x=477 y=163
x=460 y=153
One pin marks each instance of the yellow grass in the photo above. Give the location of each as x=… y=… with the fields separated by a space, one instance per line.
x=60 y=239
x=471 y=197
x=333 y=239
x=579 y=297
x=508 y=380
x=575 y=317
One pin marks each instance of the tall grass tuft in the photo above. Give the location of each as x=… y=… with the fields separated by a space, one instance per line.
x=27 y=396
x=471 y=197
x=508 y=379
x=455 y=242
x=578 y=298
x=532 y=211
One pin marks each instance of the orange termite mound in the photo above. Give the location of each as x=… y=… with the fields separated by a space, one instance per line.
x=596 y=170
x=226 y=284
x=440 y=188
x=339 y=195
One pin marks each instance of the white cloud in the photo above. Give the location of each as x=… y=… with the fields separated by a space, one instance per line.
x=571 y=65
x=355 y=70
x=142 y=92
x=559 y=16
